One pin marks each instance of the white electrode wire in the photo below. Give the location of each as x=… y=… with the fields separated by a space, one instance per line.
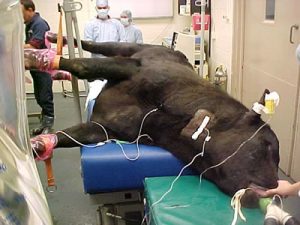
x=143 y=135
x=137 y=140
x=115 y=140
x=137 y=146
x=236 y=205
x=36 y=153
x=88 y=146
x=205 y=140
x=180 y=173
x=144 y=219
x=103 y=128
x=81 y=144
x=238 y=149
x=147 y=114
x=178 y=176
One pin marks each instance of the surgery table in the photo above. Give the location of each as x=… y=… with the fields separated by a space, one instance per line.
x=117 y=186
x=115 y=183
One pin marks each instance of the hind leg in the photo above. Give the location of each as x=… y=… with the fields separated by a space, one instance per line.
x=106 y=48
x=113 y=68
x=85 y=133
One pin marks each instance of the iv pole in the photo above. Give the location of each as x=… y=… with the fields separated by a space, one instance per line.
x=202 y=24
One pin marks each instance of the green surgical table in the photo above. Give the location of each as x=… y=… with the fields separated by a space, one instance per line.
x=190 y=203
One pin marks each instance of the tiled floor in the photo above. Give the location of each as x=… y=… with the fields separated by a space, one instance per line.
x=69 y=205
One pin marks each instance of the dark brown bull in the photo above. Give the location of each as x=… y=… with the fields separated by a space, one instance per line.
x=145 y=77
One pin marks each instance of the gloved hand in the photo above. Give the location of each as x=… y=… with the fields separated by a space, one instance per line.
x=43 y=146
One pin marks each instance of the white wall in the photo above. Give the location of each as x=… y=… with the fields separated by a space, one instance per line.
x=153 y=29
x=222 y=28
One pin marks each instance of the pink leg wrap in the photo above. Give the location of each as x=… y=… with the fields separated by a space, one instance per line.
x=39 y=59
x=43 y=145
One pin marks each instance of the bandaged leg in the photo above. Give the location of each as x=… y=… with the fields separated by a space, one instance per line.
x=39 y=59
x=43 y=145
x=45 y=60
x=86 y=133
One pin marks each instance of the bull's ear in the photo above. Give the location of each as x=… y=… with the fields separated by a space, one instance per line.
x=262 y=99
x=252 y=112
x=196 y=121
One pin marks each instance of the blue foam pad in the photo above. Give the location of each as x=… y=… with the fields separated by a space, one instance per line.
x=105 y=168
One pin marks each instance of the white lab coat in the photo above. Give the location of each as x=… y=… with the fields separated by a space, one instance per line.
x=97 y=30
x=133 y=34
x=110 y=30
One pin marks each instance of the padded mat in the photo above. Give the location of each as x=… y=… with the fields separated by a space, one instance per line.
x=105 y=168
x=190 y=203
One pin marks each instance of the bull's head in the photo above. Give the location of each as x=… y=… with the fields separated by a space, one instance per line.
x=249 y=149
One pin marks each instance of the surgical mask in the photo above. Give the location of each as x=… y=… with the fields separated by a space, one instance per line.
x=102 y=13
x=125 y=21
x=298 y=53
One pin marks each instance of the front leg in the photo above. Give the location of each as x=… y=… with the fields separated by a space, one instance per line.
x=85 y=133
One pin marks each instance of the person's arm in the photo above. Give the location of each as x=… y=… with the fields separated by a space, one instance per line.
x=38 y=37
x=285 y=188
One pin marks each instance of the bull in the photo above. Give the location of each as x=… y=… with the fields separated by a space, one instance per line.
x=146 y=77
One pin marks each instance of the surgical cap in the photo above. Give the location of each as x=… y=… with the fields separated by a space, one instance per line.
x=128 y=14
x=102 y=3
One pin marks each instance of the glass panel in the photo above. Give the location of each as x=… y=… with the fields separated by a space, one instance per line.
x=270 y=10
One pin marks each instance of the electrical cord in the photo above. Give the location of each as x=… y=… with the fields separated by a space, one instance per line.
x=118 y=142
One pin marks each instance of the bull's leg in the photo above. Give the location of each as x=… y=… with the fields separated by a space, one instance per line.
x=114 y=68
x=107 y=49
x=113 y=48
x=86 y=133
